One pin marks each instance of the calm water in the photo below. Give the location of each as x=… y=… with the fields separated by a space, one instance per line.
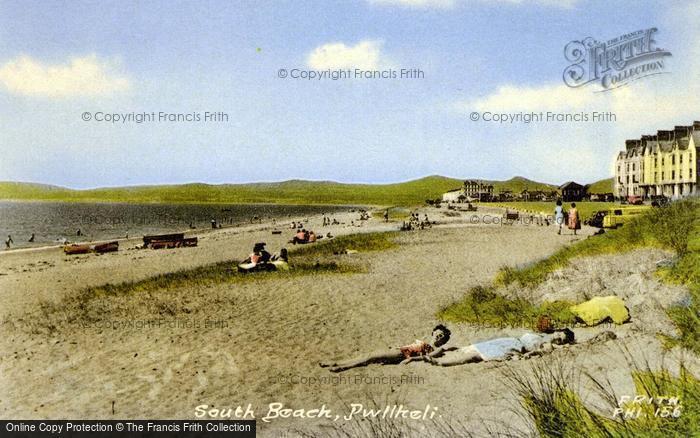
x=50 y=221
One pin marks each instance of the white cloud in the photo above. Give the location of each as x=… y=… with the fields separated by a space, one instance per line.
x=448 y=4
x=365 y=55
x=86 y=76
x=551 y=97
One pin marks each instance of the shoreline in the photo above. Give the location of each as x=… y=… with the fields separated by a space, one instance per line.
x=242 y=224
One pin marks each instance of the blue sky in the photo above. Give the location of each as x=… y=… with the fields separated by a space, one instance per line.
x=60 y=60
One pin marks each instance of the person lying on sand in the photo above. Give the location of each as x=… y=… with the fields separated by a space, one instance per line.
x=441 y=335
x=528 y=345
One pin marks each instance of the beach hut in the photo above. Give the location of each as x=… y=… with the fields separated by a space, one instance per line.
x=572 y=191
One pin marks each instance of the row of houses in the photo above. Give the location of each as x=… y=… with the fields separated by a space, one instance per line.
x=474 y=190
x=664 y=164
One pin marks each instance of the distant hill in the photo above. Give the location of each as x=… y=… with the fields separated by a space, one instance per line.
x=602 y=186
x=287 y=192
x=518 y=184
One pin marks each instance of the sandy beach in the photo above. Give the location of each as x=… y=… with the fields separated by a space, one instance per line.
x=261 y=341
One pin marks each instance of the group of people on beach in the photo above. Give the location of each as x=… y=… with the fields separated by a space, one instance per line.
x=303 y=236
x=571 y=217
x=261 y=259
x=327 y=221
x=415 y=222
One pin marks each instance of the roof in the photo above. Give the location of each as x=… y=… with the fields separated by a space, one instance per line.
x=570 y=185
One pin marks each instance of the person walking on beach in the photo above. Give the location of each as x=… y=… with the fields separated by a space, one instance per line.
x=559 y=215
x=574 y=220
x=8 y=242
x=31 y=239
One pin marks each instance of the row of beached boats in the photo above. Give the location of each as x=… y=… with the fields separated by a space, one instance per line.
x=157 y=241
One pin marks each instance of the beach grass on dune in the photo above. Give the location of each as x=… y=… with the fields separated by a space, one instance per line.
x=676 y=227
x=308 y=260
x=485 y=307
x=303 y=260
x=361 y=242
x=216 y=273
x=686 y=271
x=551 y=404
x=667 y=228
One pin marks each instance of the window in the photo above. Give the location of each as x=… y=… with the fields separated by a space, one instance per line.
x=681 y=159
x=662 y=161
x=673 y=160
x=662 y=176
x=673 y=174
x=633 y=167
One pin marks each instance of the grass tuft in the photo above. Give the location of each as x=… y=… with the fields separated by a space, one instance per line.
x=484 y=306
x=554 y=409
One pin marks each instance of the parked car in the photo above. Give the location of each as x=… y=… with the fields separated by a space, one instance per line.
x=660 y=201
x=596 y=219
x=619 y=216
x=635 y=200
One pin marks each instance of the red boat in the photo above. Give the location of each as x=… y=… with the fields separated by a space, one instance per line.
x=76 y=249
x=107 y=247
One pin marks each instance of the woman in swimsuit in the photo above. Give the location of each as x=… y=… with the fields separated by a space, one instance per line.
x=401 y=355
x=530 y=344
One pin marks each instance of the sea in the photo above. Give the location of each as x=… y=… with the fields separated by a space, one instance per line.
x=51 y=222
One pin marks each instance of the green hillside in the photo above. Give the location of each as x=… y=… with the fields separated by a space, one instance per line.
x=287 y=192
x=518 y=184
x=602 y=186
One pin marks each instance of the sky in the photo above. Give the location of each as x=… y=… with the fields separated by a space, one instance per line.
x=61 y=60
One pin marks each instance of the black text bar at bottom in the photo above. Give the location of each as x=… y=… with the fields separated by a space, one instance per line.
x=127 y=428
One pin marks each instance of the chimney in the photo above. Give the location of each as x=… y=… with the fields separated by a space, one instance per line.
x=664 y=135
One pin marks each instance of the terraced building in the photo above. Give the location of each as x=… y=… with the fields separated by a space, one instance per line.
x=664 y=164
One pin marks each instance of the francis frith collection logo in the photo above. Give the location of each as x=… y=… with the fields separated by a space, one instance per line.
x=616 y=62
